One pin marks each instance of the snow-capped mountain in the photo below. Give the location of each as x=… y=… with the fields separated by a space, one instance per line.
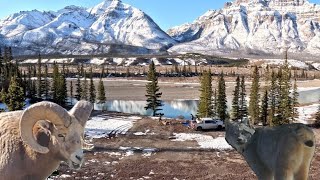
x=76 y=30
x=253 y=27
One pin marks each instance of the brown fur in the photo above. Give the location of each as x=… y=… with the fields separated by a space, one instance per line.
x=283 y=152
x=18 y=161
x=20 y=152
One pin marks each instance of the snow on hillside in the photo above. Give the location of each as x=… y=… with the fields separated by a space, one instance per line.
x=291 y=62
x=252 y=27
x=76 y=30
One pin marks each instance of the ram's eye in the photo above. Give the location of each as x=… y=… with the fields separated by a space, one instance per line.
x=61 y=136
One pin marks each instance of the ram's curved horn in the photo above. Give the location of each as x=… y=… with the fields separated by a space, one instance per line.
x=42 y=111
x=82 y=111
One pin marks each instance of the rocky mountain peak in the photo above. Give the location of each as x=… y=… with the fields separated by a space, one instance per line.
x=253 y=27
x=109 y=26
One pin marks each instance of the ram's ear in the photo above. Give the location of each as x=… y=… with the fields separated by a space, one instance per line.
x=42 y=132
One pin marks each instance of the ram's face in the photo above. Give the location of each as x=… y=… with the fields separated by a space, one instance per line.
x=47 y=127
x=69 y=144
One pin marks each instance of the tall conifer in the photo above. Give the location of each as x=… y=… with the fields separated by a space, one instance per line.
x=222 y=99
x=205 y=103
x=235 y=101
x=254 y=98
x=153 y=95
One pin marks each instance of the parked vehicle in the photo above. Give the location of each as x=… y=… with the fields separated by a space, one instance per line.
x=209 y=123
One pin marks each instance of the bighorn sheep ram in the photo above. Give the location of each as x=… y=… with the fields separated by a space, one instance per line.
x=35 y=141
x=281 y=153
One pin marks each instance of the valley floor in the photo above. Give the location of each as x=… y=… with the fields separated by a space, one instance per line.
x=147 y=149
x=175 y=88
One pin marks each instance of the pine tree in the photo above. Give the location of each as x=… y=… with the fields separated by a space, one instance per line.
x=1 y=69
x=78 y=89
x=39 y=76
x=92 y=89
x=102 y=72
x=71 y=93
x=55 y=82
x=14 y=99
x=153 y=95
x=235 y=101
x=285 y=106
x=222 y=99
x=84 y=87
x=128 y=72
x=62 y=92
x=243 y=110
x=101 y=93
x=273 y=100
x=205 y=103
x=215 y=104
x=46 y=82
x=254 y=98
x=264 y=108
x=295 y=102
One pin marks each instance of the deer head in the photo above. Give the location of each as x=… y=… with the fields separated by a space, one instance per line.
x=238 y=134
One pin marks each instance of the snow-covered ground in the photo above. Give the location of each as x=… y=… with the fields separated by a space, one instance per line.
x=102 y=125
x=204 y=141
x=306 y=112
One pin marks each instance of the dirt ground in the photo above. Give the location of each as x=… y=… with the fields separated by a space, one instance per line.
x=171 y=160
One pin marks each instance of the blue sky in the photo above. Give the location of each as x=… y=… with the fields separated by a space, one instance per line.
x=166 y=13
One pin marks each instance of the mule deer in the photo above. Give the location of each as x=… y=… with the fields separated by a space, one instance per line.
x=274 y=153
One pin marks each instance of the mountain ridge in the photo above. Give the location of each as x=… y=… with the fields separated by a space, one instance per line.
x=77 y=30
x=253 y=26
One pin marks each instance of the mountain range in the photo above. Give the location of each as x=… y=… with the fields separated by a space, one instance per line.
x=76 y=30
x=262 y=27
x=241 y=28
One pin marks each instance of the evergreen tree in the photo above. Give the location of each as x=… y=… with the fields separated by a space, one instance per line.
x=264 y=108
x=1 y=70
x=92 y=89
x=55 y=82
x=102 y=72
x=222 y=99
x=215 y=104
x=78 y=89
x=46 y=82
x=184 y=70
x=285 y=106
x=101 y=93
x=273 y=100
x=84 y=87
x=14 y=99
x=71 y=93
x=235 y=101
x=128 y=72
x=243 y=110
x=205 y=103
x=254 y=98
x=153 y=95
x=39 y=76
x=62 y=92
x=295 y=102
